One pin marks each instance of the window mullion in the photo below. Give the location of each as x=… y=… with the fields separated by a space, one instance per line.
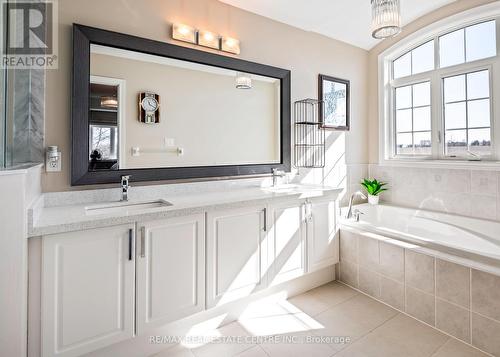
x=467 y=112
x=436 y=116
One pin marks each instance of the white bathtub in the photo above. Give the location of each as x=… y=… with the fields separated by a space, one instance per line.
x=475 y=240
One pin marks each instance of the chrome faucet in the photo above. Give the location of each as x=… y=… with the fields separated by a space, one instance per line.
x=276 y=174
x=356 y=214
x=349 y=212
x=125 y=187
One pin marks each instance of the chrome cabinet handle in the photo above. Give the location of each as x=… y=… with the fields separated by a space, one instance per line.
x=143 y=242
x=265 y=219
x=130 y=243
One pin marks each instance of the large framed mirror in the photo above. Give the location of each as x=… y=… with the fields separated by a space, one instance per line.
x=157 y=111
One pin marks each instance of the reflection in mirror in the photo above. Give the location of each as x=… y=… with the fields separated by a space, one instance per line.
x=103 y=125
x=149 y=111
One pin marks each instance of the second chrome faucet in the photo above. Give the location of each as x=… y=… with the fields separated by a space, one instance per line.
x=125 y=186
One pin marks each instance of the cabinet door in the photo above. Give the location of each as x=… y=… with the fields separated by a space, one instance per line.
x=87 y=290
x=288 y=244
x=236 y=253
x=170 y=270
x=322 y=236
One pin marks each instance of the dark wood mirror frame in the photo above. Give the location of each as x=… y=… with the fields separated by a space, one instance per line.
x=84 y=36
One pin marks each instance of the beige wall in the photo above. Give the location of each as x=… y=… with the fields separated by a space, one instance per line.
x=262 y=40
x=441 y=13
x=208 y=117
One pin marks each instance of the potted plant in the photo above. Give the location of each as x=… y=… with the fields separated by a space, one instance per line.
x=373 y=188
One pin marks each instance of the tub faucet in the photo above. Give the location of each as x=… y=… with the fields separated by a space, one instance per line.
x=125 y=187
x=349 y=212
x=356 y=214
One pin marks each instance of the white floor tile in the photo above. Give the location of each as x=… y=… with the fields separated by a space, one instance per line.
x=256 y=351
x=281 y=324
x=454 y=348
x=400 y=336
x=297 y=345
x=315 y=318
x=176 y=351
x=225 y=349
x=353 y=319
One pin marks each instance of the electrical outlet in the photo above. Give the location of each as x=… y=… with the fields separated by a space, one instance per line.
x=53 y=159
x=54 y=166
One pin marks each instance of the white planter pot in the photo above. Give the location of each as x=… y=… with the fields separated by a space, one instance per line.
x=373 y=200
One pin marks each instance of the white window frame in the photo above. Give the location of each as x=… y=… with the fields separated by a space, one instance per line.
x=410 y=82
x=494 y=145
x=116 y=139
x=387 y=85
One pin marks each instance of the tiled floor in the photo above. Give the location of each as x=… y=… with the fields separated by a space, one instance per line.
x=305 y=324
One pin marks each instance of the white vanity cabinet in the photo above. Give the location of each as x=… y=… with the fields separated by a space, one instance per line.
x=322 y=236
x=102 y=286
x=287 y=238
x=170 y=270
x=87 y=290
x=236 y=253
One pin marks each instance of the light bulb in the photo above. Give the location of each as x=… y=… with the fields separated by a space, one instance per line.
x=231 y=45
x=184 y=33
x=208 y=39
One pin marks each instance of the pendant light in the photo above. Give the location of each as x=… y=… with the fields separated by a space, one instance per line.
x=386 y=18
x=109 y=102
x=243 y=81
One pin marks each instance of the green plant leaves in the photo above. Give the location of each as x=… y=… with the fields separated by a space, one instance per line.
x=373 y=187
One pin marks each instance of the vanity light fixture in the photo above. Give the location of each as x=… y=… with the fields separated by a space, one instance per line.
x=208 y=39
x=184 y=33
x=243 y=81
x=386 y=18
x=229 y=44
x=109 y=102
x=205 y=38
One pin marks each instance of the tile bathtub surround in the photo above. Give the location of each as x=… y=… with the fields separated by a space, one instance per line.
x=486 y=294
x=392 y=293
x=456 y=299
x=392 y=261
x=419 y=271
x=453 y=283
x=485 y=334
x=369 y=282
x=474 y=193
x=453 y=319
x=420 y=305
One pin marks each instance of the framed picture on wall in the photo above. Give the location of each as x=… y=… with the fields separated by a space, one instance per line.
x=335 y=111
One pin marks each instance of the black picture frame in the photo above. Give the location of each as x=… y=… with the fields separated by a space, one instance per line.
x=325 y=124
x=84 y=36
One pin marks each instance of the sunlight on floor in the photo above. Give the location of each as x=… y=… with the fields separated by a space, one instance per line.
x=200 y=333
x=272 y=315
x=264 y=319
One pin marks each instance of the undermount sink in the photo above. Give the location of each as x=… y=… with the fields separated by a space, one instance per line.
x=125 y=206
x=283 y=188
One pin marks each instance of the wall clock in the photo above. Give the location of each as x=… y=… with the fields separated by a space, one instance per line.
x=149 y=105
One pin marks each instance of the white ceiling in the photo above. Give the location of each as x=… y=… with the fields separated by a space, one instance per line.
x=344 y=20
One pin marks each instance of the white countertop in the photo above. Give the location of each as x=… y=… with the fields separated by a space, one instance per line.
x=64 y=218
